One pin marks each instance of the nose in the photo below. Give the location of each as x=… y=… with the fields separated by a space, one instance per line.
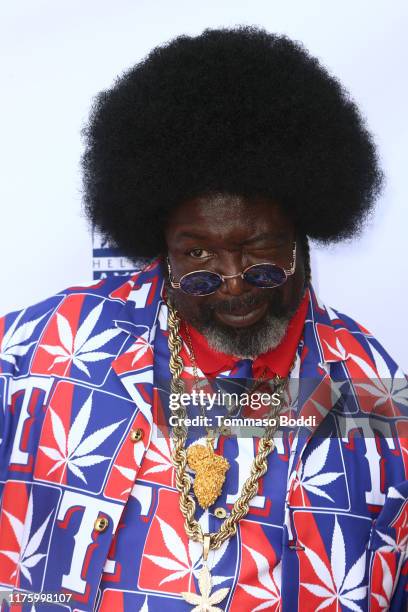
x=231 y=265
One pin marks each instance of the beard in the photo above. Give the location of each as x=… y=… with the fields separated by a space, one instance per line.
x=242 y=342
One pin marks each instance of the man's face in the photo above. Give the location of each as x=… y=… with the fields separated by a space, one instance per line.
x=226 y=234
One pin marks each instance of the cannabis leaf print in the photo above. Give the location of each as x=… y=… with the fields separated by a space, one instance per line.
x=311 y=476
x=15 y=342
x=335 y=585
x=384 y=599
x=27 y=557
x=145 y=607
x=81 y=348
x=162 y=455
x=141 y=346
x=180 y=560
x=205 y=601
x=339 y=351
x=392 y=545
x=382 y=385
x=269 y=586
x=142 y=563
x=73 y=447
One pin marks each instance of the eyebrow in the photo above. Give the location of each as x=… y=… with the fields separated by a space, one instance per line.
x=264 y=236
x=192 y=235
x=258 y=238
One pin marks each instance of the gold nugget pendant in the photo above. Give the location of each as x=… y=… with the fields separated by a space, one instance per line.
x=210 y=472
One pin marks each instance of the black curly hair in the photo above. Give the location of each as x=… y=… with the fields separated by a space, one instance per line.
x=237 y=111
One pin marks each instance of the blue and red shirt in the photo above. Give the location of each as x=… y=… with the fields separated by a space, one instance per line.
x=89 y=505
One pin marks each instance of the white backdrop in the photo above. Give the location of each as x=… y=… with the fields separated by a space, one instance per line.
x=58 y=55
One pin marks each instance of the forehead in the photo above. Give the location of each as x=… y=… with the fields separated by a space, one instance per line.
x=227 y=217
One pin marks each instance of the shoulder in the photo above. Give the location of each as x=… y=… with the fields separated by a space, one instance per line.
x=343 y=338
x=362 y=346
x=21 y=330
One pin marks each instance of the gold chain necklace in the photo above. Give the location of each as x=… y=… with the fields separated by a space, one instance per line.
x=228 y=528
x=210 y=468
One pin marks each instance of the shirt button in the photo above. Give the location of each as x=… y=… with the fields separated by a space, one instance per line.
x=101 y=523
x=136 y=434
x=220 y=513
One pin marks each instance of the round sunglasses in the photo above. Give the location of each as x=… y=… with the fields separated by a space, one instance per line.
x=205 y=282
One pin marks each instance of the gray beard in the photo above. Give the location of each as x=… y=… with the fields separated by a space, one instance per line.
x=244 y=343
x=247 y=343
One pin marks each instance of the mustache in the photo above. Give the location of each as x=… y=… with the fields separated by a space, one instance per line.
x=204 y=317
x=237 y=305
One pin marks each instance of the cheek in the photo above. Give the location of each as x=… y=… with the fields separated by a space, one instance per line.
x=188 y=307
x=293 y=290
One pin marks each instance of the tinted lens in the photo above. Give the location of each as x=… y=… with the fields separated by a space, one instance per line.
x=200 y=283
x=265 y=275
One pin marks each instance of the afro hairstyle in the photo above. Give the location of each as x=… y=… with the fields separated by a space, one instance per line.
x=239 y=111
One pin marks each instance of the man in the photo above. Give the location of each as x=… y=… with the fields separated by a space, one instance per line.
x=217 y=157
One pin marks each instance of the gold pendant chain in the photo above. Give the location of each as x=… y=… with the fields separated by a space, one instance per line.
x=228 y=528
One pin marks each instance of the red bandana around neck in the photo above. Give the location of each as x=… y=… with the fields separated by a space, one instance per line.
x=274 y=361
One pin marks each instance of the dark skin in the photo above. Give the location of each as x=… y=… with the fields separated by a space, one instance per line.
x=226 y=234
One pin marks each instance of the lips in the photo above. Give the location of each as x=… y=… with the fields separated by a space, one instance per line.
x=244 y=318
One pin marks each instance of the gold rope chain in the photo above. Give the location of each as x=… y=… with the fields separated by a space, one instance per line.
x=179 y=455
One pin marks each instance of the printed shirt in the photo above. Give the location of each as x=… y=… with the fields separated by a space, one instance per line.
x=80 y=443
